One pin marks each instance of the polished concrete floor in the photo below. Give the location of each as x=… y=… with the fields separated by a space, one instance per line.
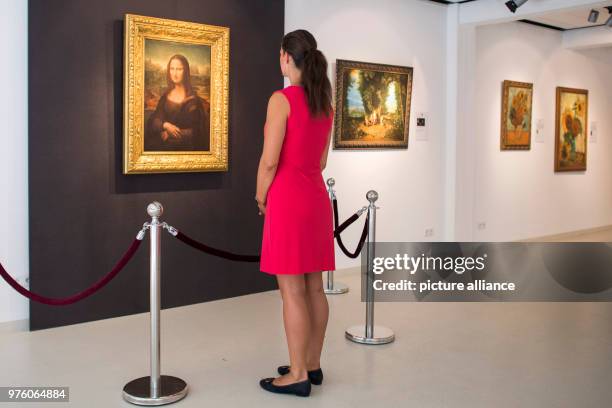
x=445 y=355
x=600 y=234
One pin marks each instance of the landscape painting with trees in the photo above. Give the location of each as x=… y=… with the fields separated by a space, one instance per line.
x=372 y=105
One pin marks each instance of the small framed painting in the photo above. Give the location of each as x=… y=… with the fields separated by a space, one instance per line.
x=372 y=106
x=176 y=96
x=571 y=129
x=516 y=115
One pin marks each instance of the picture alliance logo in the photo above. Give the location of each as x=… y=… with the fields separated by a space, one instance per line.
x=459 y=265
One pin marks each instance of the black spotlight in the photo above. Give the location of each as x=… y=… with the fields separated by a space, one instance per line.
x=593 y=16
x=514 y=4
x=609 y=22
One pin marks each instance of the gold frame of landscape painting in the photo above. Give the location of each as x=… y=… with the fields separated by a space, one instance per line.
x=516 y=116
x=176 y=79
x=571 y=129
x=372 y=105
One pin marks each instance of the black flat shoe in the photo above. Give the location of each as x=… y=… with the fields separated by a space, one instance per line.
x=315 y=376
x=301 y=389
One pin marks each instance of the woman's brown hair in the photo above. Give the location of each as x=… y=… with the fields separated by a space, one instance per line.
x=302 y=47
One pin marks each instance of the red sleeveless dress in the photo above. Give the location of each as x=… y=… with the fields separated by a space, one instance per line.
x=298 y=233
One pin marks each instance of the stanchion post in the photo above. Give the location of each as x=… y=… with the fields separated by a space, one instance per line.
x=331 y=287
x=154 y=299
x=369 y=333
x=155 y=389
x=372 y=196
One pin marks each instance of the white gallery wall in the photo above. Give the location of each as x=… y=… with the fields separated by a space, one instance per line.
x=14 y=156
x=517 y=194
x=409 y=181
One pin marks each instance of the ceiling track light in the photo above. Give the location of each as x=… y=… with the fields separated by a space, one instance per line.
x=593 y=16
x=609 y=22
x=515 y=4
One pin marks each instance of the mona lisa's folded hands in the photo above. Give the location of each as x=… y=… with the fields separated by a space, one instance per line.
x=172 y=131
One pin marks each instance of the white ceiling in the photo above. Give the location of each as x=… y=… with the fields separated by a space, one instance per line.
x=565 y=20
x=572 y=19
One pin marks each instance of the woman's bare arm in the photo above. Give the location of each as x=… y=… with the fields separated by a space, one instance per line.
x=325 y=151
x=274 y=134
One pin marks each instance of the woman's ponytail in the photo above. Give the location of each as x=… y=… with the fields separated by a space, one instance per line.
x=302 y=46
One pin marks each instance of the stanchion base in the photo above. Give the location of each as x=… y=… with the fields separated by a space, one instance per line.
x=138 y=391
x=337 y=289
x=381 y=335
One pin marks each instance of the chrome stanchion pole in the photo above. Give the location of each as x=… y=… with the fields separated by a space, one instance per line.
x=331 y=287
x=155 y=389
x=369 y=333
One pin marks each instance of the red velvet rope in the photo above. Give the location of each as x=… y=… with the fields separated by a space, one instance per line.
x=255 y=258
x=339 y=229
x=214 y=251
x=74 y=298
x=345 y=224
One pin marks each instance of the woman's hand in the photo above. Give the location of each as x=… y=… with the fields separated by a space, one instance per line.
x=262 y=206
x=172 y=130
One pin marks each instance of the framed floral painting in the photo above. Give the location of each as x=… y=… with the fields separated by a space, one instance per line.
x=175 y=96
x=571 y=129
x=516 y=115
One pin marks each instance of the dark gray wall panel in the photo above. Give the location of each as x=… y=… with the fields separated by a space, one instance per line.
x=84 y=212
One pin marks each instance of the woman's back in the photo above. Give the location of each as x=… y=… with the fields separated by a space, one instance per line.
x=305 y=136
x=298 y=228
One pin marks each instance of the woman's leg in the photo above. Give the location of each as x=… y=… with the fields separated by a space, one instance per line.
x=319 y=314
x=297 y=326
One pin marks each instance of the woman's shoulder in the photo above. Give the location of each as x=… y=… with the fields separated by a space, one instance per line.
x=293 y=90
x=290 y=93
x=278 y=103
x=278 y=99
x=290 y=90
x=280 y=95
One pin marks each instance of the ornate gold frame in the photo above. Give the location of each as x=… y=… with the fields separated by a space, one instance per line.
x=584 y=92
x=342 y=65
x=503 y=141
x=135 y=160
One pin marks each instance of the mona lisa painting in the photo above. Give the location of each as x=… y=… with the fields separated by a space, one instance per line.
x=176 y=96
x=177 y=108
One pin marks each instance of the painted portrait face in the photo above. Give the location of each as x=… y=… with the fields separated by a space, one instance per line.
x=176 y=71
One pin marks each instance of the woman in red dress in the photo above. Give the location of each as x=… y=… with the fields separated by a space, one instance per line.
x=298 y=240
